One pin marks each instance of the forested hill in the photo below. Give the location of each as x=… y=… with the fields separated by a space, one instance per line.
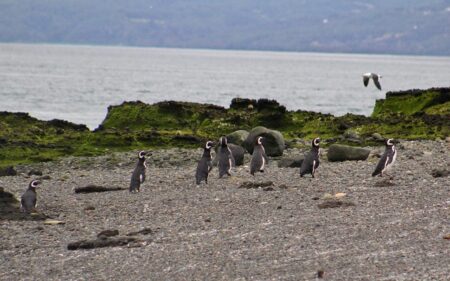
x=364 y=26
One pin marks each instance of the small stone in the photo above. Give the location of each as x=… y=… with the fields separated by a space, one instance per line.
x=53 y=222
x=89 y=208
x=327 y=196
x=208 y=220
x=447 y=237
x=339 y=195
x=320 y=273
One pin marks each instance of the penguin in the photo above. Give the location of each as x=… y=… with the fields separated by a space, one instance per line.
x=226 y=159
x=311 y=161
x=205 y=164
x=375 y=77
x=138 y=176
x=29 y=198
x=387 y=160
x=259 y=157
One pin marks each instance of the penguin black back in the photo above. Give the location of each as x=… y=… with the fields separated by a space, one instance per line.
x=204 y=166
x=387 y=159
x=259 y=157
x=311 y=161
x=138 y=176
x=226 y=159
x=29 y=198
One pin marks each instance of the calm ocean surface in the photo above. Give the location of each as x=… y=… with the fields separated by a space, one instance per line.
x=78 y=83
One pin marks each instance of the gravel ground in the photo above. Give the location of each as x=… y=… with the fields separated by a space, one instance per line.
x=394 y=231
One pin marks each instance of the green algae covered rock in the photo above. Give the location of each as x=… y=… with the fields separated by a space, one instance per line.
x=337 y=152
x=414 y=114
x=273 y=141
x=431 y=101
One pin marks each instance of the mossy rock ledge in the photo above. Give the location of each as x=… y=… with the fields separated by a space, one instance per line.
x=414 y=114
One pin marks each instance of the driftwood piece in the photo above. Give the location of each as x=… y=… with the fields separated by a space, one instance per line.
x=96 y=188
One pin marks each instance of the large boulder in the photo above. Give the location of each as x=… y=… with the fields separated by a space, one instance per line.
x=338 y=152
x=273 y=141
x=237 y=137
x=236 y=150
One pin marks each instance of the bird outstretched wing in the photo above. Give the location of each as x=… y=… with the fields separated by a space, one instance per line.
x=377 y=82
x=366 y=80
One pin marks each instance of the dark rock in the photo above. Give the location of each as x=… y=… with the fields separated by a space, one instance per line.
x=8 y=171
x=335 y=204
x=440 y=173
x=35 y=173
x=95 y=188
x=320 y=273
x=108 y=233
x=291 y=162
x=273 y=141
x=249 y=184
x=384 y=183
x=236 y=150
x=237 y=137
x=89 y=208
x=100 y=243
x=338 y=152
x=145 y=231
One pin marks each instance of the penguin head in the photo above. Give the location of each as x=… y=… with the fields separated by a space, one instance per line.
x=259 y=140
x=209 y=145
x=34 y=183
x=315 y=142
x=142 y=154
x=390 y=142
x=223 y=141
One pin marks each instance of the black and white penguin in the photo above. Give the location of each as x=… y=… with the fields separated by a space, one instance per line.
x=311 y=161
x=205 y=164
x=375 y=77
x=29 y=198
x=138 y=176
x=226 y=159
x=387 y=160
x=259 y=157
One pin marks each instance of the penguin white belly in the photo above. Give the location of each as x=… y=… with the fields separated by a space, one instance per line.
x=263 y=163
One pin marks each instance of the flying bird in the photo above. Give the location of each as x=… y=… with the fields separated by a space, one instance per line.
x=375 y=77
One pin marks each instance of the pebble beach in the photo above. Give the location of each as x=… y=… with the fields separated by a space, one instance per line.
x=342 y=225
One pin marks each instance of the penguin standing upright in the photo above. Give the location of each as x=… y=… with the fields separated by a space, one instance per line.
x=226 y=159
x=311 y=161
x=259 y=157
x=387 y=160
x=205 y=164
x=29 y=198
x=138 y=176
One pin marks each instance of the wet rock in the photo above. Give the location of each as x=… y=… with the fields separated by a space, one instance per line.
x=439 y=173
x=338 y=152
x=273 y=141
x=8 y=171
x=96 y=188
x=291 y=162
x=237 y=137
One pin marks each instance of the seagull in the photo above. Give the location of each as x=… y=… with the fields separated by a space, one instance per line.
x=374 y=76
